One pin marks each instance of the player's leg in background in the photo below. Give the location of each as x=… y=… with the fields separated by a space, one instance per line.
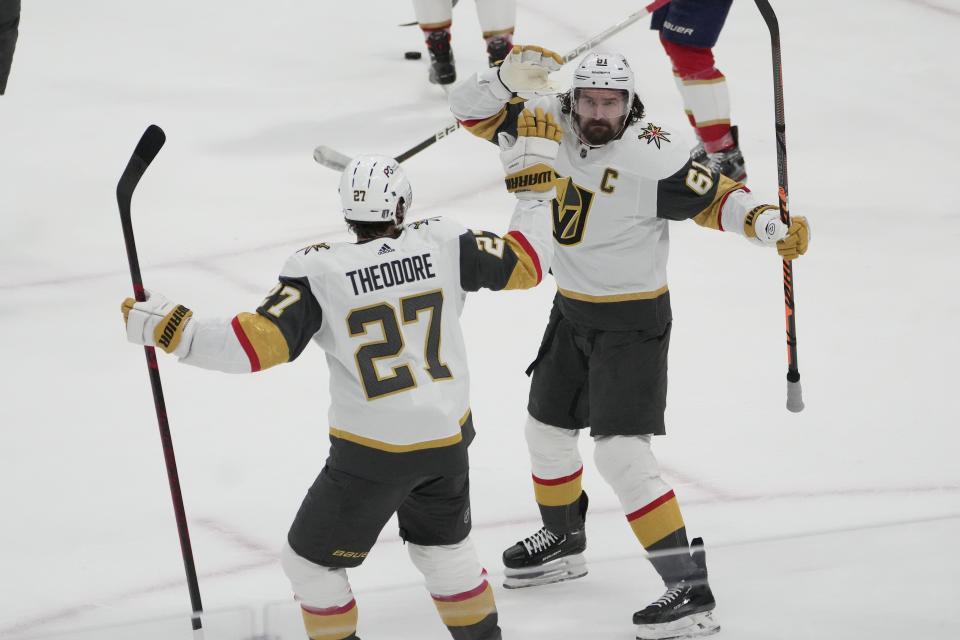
x=689 y=29
x=497 y=21
x=435 y=18
x=435 y=523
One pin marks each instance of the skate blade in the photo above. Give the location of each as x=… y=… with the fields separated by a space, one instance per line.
x=693 y=626
x=566 y=568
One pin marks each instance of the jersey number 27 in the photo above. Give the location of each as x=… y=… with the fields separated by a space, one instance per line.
x=393 y=343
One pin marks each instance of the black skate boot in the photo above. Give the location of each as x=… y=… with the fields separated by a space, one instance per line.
x=545 y=557
x=497 y=50
x=729 y=162
x=442 y=69
x=685 y=610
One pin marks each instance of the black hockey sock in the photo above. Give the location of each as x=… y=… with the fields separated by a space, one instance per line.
x=565 y=518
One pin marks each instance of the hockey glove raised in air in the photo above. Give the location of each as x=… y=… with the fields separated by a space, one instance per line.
x=157 y=322
x=764 y=224
x=525 y=69
x=528 y=159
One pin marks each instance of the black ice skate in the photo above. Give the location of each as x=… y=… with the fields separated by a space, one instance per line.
x=685 y=610
x=545 y=557
x=729 y=162
x=442 y=69
x=497 y=50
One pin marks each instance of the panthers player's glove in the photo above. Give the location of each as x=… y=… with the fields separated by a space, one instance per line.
x=764 y=224
x=525 y=69
x=157 y=322
x=529 y=159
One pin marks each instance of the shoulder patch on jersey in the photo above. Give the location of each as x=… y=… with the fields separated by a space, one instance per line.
x=314 y=247
x=654 y=134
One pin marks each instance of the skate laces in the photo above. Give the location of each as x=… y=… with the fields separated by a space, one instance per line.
x=670 y=596
x=539 y=541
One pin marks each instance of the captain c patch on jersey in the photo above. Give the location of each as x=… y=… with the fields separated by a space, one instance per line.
x=653 y=133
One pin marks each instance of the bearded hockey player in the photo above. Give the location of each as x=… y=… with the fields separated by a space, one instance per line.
x=602 y=363
x=385 y=309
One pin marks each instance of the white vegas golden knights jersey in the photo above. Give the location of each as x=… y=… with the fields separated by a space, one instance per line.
x=610 y=217
x=386 y=312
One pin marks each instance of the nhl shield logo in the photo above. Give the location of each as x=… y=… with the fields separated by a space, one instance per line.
x=570 y=210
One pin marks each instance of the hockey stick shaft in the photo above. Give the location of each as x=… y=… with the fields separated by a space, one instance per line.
x=614 y=29
x=336 y=160
x=146 y=150
x=794 y=390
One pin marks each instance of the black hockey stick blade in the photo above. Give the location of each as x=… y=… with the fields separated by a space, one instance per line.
x=146 y=150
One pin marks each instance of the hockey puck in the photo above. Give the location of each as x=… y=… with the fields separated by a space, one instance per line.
x=412 y=55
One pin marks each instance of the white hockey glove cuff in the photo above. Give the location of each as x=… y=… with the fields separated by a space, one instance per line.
x=157 y=322
x=528 y=160
x=525 y=71
x=764 y=224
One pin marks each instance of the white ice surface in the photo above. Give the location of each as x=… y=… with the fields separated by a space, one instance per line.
x=838 y=522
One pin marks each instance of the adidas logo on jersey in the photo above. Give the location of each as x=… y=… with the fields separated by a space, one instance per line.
x=385 y=249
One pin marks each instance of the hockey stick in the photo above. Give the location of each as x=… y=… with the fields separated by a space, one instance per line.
x=333 y=159
x=146 y=150
x=794 y=391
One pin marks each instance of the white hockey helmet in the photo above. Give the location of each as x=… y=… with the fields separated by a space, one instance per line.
x=374 y=188
x=605 y=71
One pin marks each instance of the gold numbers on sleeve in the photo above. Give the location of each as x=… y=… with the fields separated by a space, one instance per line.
x=699 y=178
x=290 y=296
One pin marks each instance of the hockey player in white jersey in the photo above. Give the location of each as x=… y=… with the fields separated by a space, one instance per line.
x=602 y=363
x=386 y=312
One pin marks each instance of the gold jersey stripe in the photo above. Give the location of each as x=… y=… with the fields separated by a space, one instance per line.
x=498 y=32
x=265 y=338
x=616 y=297
x=711 y=123
x=689 y=83
x=658 y=523
x=395 y=448
x=558 y=495
x=525 y=274
x=471 y=610
x=330 y=626
x=433 y=26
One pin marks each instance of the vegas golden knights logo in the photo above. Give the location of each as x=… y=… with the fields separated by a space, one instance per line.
x=570 y=210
